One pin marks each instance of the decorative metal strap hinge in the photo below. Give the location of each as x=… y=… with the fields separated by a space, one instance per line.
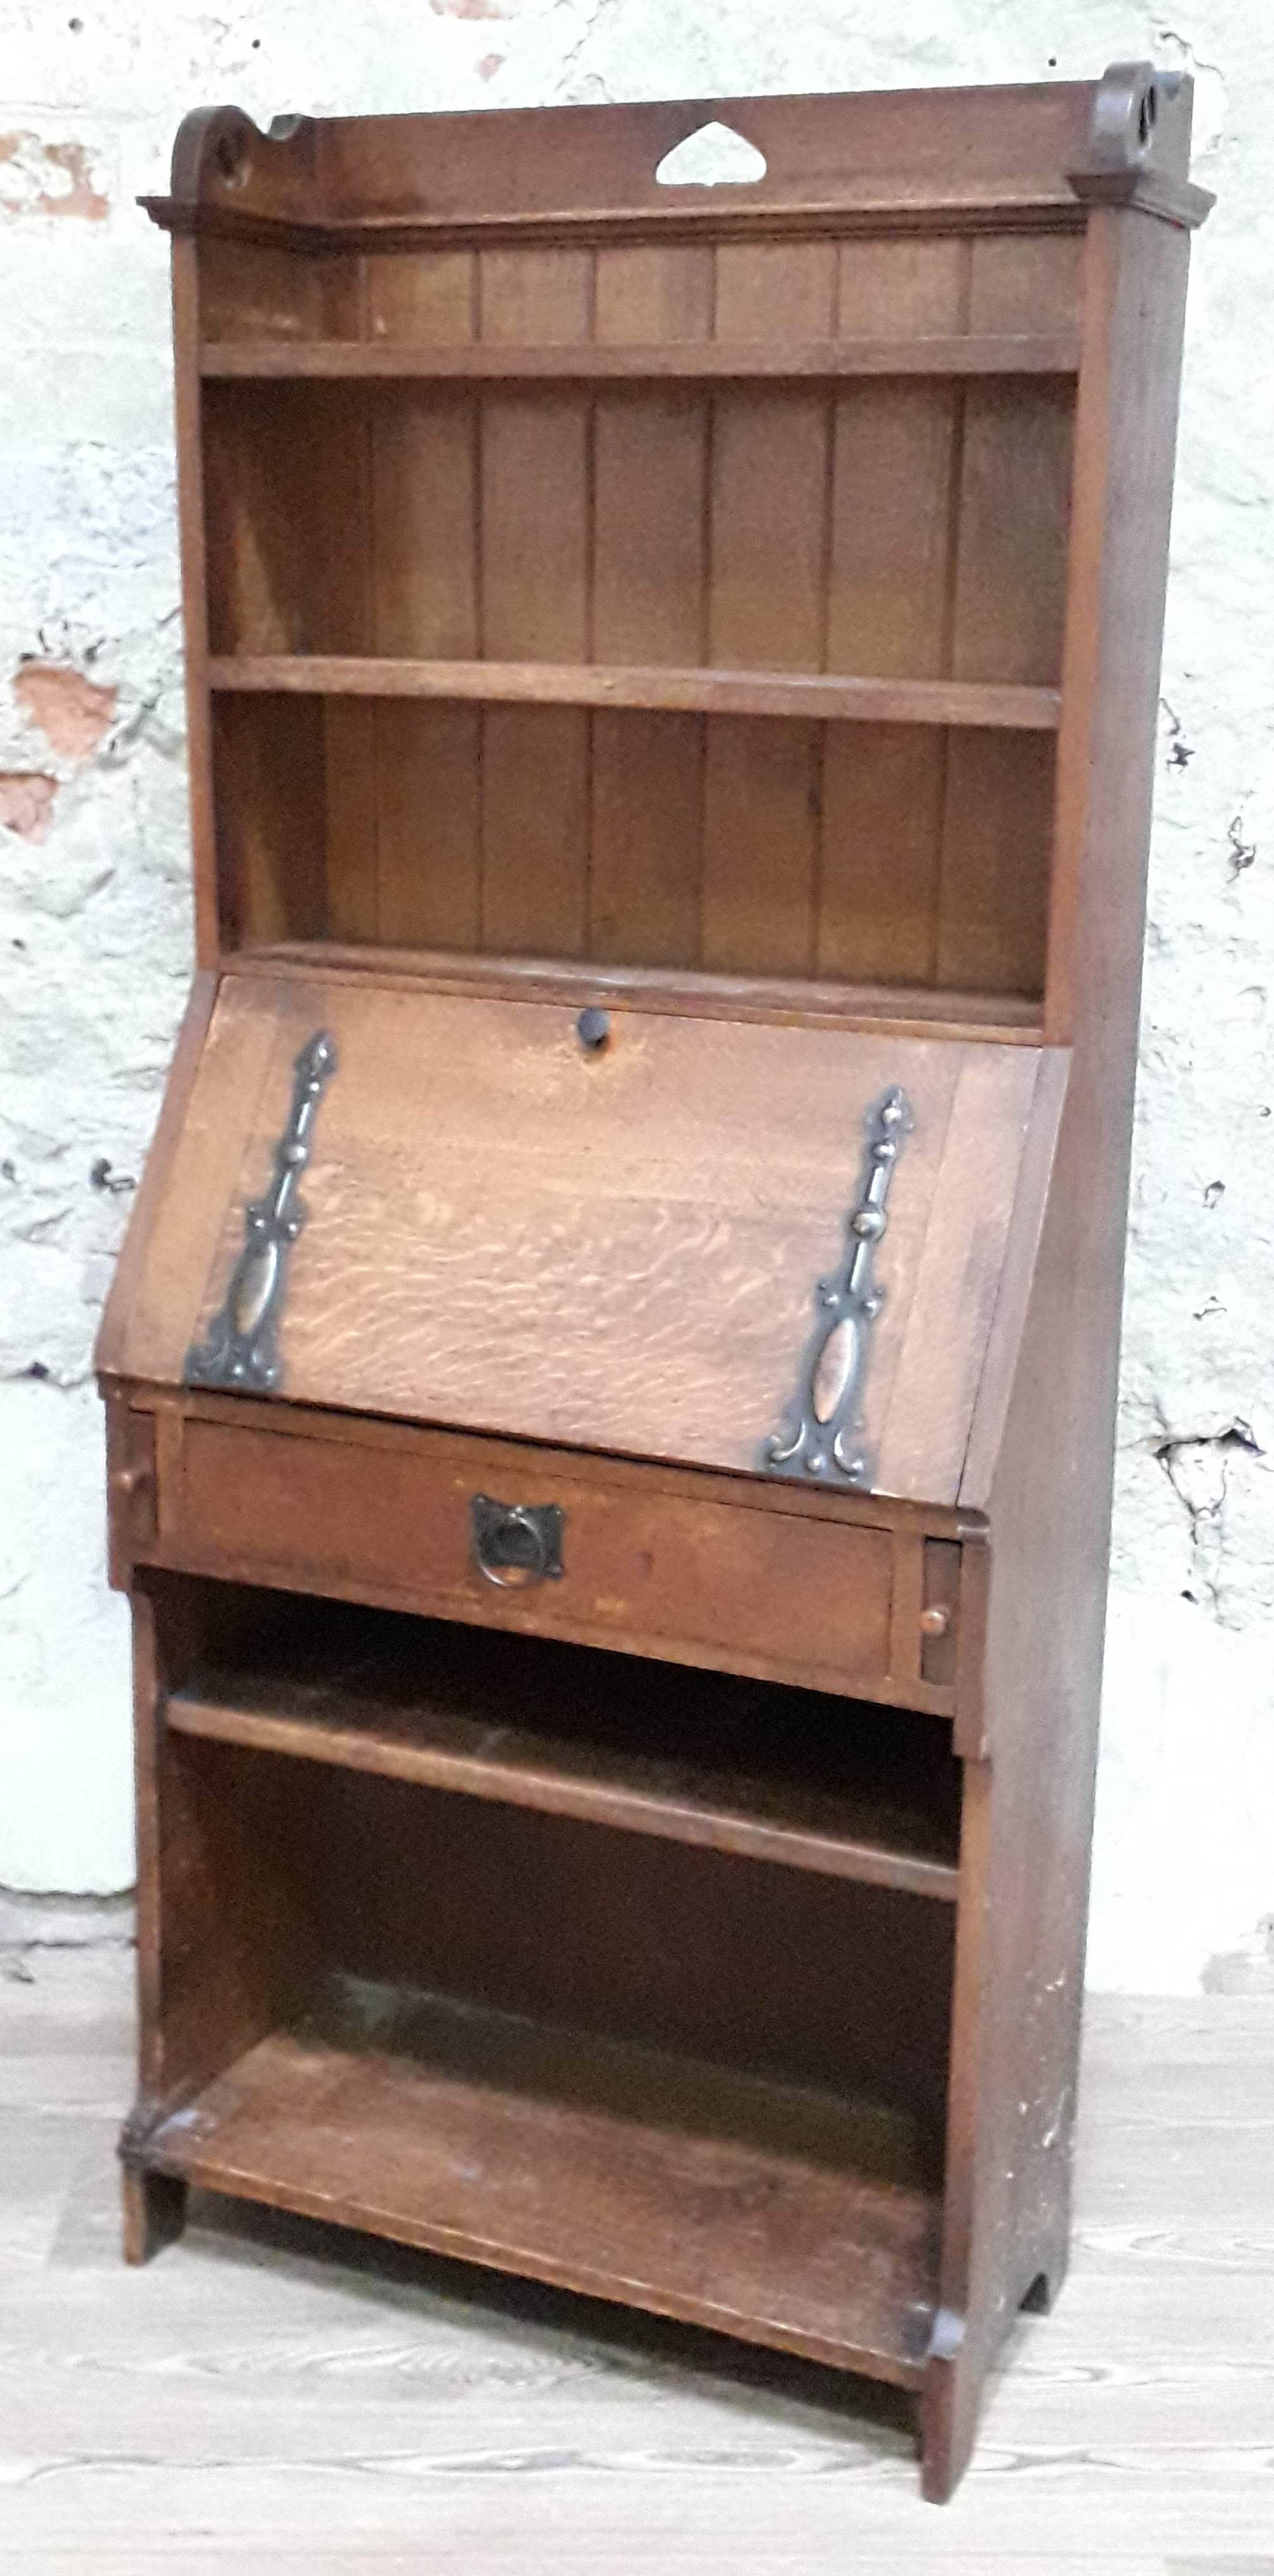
x=820 y=1433
x=241 y=1350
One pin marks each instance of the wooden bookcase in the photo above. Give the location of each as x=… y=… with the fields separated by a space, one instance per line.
x=671 y=681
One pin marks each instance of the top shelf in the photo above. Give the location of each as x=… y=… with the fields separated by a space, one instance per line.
x=1019 y=354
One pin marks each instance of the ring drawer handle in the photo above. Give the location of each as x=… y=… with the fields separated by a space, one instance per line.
x=516 y=1544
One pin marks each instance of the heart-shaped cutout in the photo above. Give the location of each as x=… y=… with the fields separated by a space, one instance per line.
x=714 y=156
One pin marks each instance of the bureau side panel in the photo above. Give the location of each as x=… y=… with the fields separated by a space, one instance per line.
x=1029 y=1792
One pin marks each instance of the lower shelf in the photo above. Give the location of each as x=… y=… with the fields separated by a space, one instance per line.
x=774 y=2213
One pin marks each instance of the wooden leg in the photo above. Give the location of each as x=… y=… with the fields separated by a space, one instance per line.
x=949 y=2403
x=959 y=2361
x=154 y=2213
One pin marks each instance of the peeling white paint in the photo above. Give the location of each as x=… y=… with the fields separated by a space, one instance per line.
x=94 y=919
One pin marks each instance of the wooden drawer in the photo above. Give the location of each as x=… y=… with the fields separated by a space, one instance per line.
x=646 y=1564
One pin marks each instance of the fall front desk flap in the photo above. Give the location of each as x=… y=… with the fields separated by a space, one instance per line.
x=730 y=1244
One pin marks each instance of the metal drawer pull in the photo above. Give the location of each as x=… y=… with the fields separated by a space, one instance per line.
x=516 y=1544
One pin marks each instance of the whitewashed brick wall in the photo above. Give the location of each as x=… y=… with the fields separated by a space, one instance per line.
x=94 y=923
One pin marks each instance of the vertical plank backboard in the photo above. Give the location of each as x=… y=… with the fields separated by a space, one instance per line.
x=350 y=774
x=535 y=547
x=767 y=569
x=767 y=608
x=534 y=541
x=336 y=518
x=424 y=504
x=649 y=505
x=342 y=535
x=260 y=573
x=896 y=462
x=650 y=295
x=647 y=837
x=269 y=777
x=529 y=297
x=775 y=291
x=902 y=289
x=1010 y=584
x=882 y=801
x=1025 y=282
x=650 y=512
x=996 y=846
x=896 y=453
x=250 y=291
x=427 y=786
x=426 y=298
x=535 y=776
x=760 y=842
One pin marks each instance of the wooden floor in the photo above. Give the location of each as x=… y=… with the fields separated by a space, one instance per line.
x=279 y=2396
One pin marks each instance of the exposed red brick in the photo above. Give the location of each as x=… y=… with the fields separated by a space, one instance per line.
x=26 y=803
x=71 y=712
x=475 y=8
x=489 y=66
x=39 y=178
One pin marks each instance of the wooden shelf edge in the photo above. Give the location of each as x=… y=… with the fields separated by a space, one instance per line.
x=807 y=1498
x=629 y=2207
x=1007 y=1019
x=524 y=1777
x=825 y=697
x=179 y=1556
x=985 y=354
x=1026 y=206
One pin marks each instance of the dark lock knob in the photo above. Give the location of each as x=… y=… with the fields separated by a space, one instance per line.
x=516 y=1544
x=592 y=1028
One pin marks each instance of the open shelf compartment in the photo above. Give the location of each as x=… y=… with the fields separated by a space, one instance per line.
x=832 y=855
x=517 y=2033
x=781 y=1774
x=786 y=709
x=768 y=2210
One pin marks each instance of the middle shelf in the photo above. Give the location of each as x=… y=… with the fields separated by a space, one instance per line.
x=842 y=1788
x=697 y=689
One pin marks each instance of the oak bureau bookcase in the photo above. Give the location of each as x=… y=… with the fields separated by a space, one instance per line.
x=610 y=1380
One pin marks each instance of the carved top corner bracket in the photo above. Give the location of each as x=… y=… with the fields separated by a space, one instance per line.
x=241 y=1350
x=1138 y=150
x=820 y=1433
x=1126 y=113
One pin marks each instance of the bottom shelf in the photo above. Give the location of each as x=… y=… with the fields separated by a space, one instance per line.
x=773 y=2212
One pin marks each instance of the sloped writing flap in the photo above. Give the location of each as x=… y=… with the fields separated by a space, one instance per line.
x=612 y=1246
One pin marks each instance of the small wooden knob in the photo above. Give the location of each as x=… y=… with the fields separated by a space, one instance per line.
x=935 y=1621
x=130 y=1480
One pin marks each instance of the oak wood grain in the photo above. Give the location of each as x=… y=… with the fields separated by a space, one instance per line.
x=507 y=1233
